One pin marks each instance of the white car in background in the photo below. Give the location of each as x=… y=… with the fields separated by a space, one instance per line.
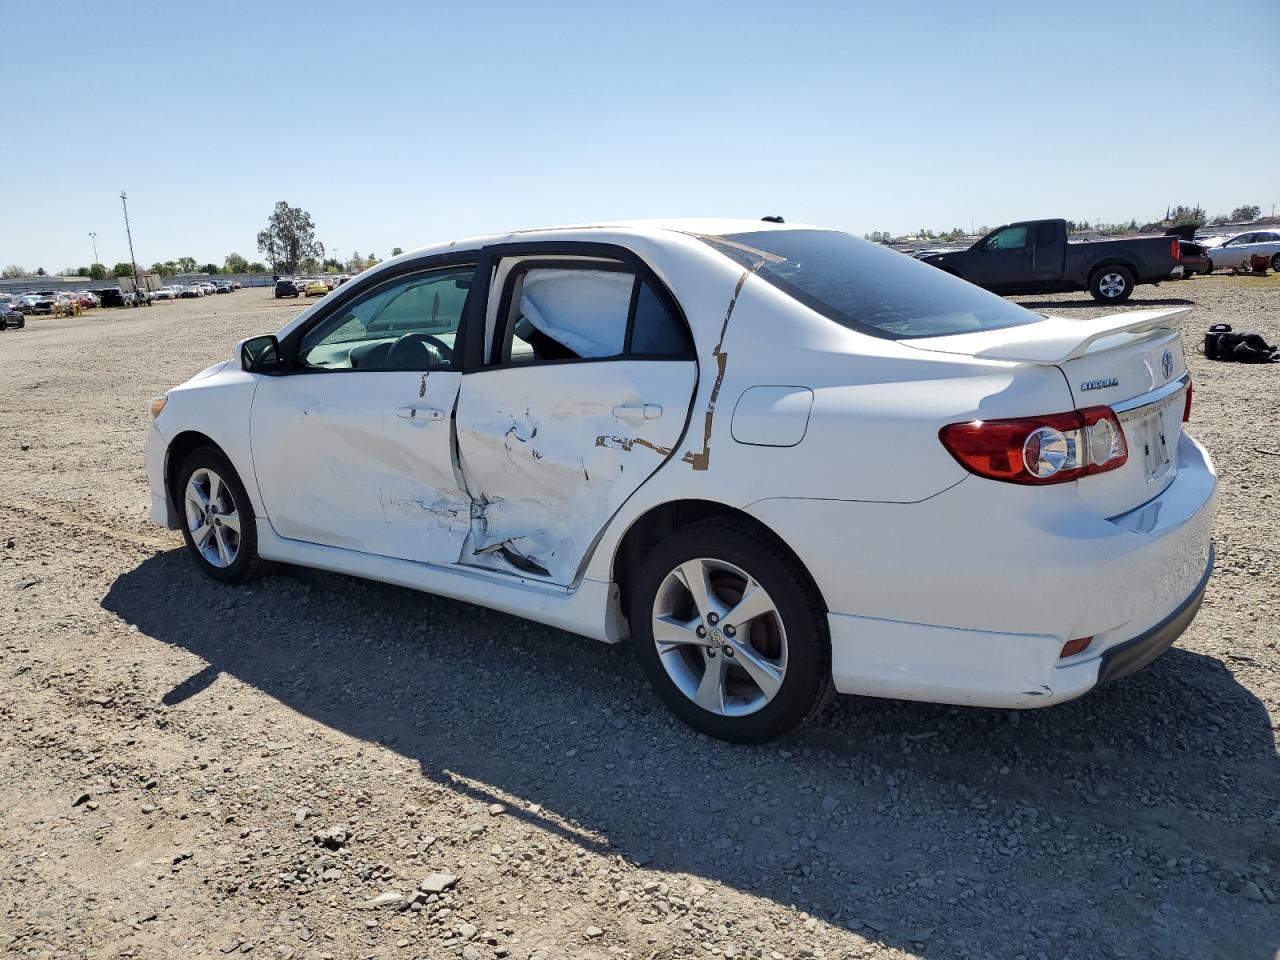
x=777 y=460
x=164 y=293
x=1235 y=251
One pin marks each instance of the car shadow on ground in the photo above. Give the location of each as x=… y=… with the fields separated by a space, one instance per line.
x=1092 y=304
x=910 y=823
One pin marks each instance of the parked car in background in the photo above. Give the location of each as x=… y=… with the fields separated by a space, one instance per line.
x=1036 y=256
x=45 y=302
x=11 y=318
x=1235 y=251
x=114 y=297
x=899 y=485
x=221 y=286
x=164 y=293
x=208 y=287
x=286 y=288
x=316 y=288
x=190 y=291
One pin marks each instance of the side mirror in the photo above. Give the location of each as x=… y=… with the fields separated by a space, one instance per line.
x=261 y=355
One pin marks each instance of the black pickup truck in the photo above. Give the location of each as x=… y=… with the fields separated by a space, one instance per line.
x=1034 y=256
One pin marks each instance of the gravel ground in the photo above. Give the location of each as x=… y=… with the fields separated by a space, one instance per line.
x=321 y=767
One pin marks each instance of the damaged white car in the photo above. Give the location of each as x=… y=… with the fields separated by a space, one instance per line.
x=780 y=461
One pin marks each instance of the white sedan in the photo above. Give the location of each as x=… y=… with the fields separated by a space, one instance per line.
x=776 y=460
x=1235 y=251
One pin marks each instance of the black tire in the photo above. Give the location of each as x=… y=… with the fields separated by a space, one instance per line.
x=806 y=682
x=1111 y=278
x=246 y=564
x=1275 y=263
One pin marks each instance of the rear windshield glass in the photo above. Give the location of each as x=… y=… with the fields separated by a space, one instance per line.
x=867 y=287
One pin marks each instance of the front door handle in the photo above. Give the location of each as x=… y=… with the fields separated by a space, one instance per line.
x=420 y=414
x=637 y=411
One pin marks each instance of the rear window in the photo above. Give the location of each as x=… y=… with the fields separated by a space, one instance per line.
x=868 y=287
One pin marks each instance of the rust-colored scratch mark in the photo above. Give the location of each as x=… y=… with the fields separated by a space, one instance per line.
x=700 y=461
x=422 y=387
x=626 y=443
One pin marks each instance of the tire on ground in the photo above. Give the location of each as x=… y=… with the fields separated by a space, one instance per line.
x=246 y=564
x=1111 y=278
x=806 y=684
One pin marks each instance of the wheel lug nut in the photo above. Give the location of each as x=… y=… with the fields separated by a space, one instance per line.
x=701 y=631
x=711 y=653
x=730 y=630
x=713 y=618
x=728 y=651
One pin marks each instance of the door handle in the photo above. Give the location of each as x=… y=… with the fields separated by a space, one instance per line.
x=420 y=414
x=637 y=411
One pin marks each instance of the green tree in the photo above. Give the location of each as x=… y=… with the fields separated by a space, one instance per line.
x=355 y=262
x=1181 y=215
x=166 y=269
x=13 y=271
x=210 y=268
x=396 y=251
x=235 y=263
x=97 y=271
x=122 y=270
x=186 y=264
x=256 y=267
x=289 y=238
x=40 y=272
x=82 y=271
x=1245 y=214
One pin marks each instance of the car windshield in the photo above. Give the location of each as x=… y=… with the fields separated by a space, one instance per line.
x=868 y=287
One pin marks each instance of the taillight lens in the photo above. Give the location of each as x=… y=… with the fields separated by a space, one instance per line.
x=1176 y=251
x=1186 y=409
x=1039 y=450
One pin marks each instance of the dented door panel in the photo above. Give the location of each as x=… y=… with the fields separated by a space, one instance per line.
x=362 y=461
x=550 y=452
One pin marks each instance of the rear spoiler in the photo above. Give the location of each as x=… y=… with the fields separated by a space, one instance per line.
x=1054 y=340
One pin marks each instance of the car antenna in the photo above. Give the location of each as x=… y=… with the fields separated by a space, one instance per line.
x=773 y=219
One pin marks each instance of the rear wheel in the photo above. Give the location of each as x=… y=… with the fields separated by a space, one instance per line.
x=1111 y=284
x=1275 y=263
x=731 y=632
x=217 y=518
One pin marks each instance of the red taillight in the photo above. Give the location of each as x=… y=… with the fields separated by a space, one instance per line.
x=1039 y=450
x=1176 y=250
x=1186 y=410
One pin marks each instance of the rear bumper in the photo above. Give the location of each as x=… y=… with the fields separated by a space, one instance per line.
x=969 y=596
x=1130 y=656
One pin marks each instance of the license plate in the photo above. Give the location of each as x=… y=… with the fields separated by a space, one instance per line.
x=1152 y=437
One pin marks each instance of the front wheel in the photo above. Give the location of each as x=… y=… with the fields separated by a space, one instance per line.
x=1275 y=263
x=1111 y=284
x=218 y=524
x=731 y=632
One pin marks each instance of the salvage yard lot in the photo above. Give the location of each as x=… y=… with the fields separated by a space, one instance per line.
x=188 y=769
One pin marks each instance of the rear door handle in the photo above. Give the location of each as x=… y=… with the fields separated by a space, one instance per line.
x=637 y=411
x=420 y=414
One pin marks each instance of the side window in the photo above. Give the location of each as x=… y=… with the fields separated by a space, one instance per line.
x=410 y=323
x=654 y=331
x=1010 y=238
x=1240 y=240
x=1044 y=234
x=566 y=313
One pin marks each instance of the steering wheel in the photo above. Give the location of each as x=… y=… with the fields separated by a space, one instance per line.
x=407 y=350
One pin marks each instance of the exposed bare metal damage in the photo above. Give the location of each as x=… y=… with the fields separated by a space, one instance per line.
x=700 y=461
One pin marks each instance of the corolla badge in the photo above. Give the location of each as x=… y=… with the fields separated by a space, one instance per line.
x=1101 y=384
x=1166 y=364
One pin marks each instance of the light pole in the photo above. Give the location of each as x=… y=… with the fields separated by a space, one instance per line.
x=94 y=237
x=124 y=199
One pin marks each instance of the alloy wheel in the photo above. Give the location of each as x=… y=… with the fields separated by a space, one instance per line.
x=212 y=518
x=1111 y=285
x=719 y=637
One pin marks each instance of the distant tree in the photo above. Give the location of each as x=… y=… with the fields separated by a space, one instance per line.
x=122 y=270
x=1181 y=215
x=355 y=262
x=331 y=265
x=371 y=260
x=40 y=272
x=1245 y=214
x=290 y=238
x=210 y=268
x=13 y=271
x=82 y=271
x=97 y=271
x=70 y=271
x=186 y=264
x=166 y=269
x=236 y=263
x=256 y=267
x=1219 y=220
x=396 y=251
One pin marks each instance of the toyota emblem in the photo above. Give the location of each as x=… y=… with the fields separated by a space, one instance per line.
x=1166 y=364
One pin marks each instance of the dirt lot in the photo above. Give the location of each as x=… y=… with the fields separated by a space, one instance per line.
x=192 y=770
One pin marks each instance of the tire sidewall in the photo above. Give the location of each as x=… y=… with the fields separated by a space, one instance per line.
x=808 y=675
x=1096 y=285
x=246 y=558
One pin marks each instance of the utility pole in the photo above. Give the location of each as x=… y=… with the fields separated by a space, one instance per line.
x=94 y=237
x=124 y=199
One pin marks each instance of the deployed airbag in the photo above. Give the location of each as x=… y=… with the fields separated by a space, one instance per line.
x=585 y=310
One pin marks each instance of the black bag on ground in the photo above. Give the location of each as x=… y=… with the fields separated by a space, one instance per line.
x=1221 y=343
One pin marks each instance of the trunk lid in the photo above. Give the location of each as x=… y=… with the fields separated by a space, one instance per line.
x=1132 y=362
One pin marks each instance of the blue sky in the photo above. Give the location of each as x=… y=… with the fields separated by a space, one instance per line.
x=399 y=124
